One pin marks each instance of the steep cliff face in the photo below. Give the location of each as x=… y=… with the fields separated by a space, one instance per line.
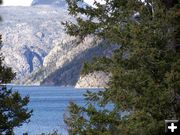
x=36 y=46
x=62 y=66
x=29 y=34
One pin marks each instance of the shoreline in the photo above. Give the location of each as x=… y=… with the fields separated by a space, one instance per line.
x=20 y=85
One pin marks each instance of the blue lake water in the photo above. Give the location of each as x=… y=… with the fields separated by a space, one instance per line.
x=49 y=104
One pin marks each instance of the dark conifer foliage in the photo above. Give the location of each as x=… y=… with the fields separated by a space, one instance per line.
x=145 y=85
x=13 y=110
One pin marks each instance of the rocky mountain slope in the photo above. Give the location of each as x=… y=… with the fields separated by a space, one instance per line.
x=29 y=33
x=39 y=51
x=63 y=64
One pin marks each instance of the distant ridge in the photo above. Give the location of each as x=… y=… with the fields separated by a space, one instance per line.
x=59 y=3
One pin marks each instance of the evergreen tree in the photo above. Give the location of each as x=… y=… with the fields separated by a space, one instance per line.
x=144 y=87
x=13 y=111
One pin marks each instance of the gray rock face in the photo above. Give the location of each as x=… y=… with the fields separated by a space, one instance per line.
x=63 y=64
x=97 y=79
x=29 y=34
x=36 y=46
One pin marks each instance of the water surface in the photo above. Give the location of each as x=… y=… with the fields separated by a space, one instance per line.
x=49 y=105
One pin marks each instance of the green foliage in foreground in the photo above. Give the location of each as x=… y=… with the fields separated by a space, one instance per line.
x=97 y=64
x=145 y=70
x=13 y=111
